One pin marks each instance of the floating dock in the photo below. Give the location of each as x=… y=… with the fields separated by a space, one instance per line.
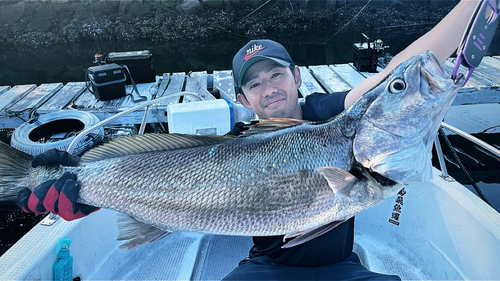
x=21 y=103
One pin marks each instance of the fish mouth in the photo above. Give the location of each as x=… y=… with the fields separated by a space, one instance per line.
x=435 y=75
x=433 y=72
x=431 y=62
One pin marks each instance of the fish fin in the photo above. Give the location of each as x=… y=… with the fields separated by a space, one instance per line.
x=310 y=235
x=148 y=143
x=14 y=166
x=271 y=125
x=137 y=233
x=340 y=181
x=290 y=236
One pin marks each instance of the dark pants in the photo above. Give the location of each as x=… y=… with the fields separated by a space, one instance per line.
x=264 y=268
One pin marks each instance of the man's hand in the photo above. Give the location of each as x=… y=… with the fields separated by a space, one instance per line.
x=57 y=196
x=53 y=157
x=240 y=127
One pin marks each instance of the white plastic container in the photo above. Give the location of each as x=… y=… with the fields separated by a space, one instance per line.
x=210 y=117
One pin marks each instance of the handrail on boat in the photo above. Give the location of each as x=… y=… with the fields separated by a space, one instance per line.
x=440 y=156
x=465 y=135
x=473 y=139
x=85 y=132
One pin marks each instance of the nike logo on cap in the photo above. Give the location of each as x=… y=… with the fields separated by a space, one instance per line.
x=253 y=50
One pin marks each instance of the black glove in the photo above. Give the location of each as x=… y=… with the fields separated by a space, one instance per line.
x=55 y=157
x=57 y=196
x=240 y=127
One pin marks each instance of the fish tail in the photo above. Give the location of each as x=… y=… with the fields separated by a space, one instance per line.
x=14 y=166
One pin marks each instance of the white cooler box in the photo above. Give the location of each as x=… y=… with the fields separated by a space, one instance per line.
x=210 y=117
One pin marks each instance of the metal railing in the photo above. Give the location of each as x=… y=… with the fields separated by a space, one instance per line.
x=473 y=139
x=465 y=135
x=489 y=148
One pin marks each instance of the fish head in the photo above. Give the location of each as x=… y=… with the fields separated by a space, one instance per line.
x=398 y=119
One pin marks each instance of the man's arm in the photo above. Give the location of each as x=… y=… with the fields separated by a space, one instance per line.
x=443 y=40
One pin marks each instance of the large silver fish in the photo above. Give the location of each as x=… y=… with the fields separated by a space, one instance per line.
x=298 y=181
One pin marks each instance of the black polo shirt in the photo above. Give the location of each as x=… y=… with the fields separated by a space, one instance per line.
x=331 y=247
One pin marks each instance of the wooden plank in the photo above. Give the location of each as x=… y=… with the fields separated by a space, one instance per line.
x=88 y=100
x=472 y=85
x=63 y=97
x=465 y=96
x=114 y=103
x=14 y=94
x=309 y=84
x=163 y=85
x=363 y=73
x=224 y=81
x=491 y=61
x=175 y=85
x=196 y=82
x=85 y=100
x=145 y=89
x=350 y=75
x=4 y=89
x=490 y=67
x=479 y=80
x=329 y=79
x=485 y=73
x=36 y=97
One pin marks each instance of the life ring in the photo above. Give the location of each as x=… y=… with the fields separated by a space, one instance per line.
x=56 y=130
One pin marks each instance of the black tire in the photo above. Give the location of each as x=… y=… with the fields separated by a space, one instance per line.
x=29 y=136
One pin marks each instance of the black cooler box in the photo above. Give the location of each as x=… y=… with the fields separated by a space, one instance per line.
x=139 y=63
x=108 y=81
x=364 y=57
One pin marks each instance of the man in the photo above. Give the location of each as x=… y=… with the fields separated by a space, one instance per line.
x=267 y=82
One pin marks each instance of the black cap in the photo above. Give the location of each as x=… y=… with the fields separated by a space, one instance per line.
x=257 y=50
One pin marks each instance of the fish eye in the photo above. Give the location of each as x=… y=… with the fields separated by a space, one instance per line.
x=397 y=86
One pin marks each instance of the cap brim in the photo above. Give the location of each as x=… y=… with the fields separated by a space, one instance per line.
x=255 y=59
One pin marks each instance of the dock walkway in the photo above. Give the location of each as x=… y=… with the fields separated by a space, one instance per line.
x=21 y=103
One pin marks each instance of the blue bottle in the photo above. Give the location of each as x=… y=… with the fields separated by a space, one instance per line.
x=63 y=268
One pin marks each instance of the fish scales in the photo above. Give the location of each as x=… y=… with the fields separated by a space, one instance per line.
x=302 y=178
x=223 y=187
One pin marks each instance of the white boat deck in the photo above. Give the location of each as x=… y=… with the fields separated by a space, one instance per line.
x=440 y=231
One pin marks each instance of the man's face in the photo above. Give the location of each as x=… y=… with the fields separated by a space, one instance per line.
x=271 y=90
